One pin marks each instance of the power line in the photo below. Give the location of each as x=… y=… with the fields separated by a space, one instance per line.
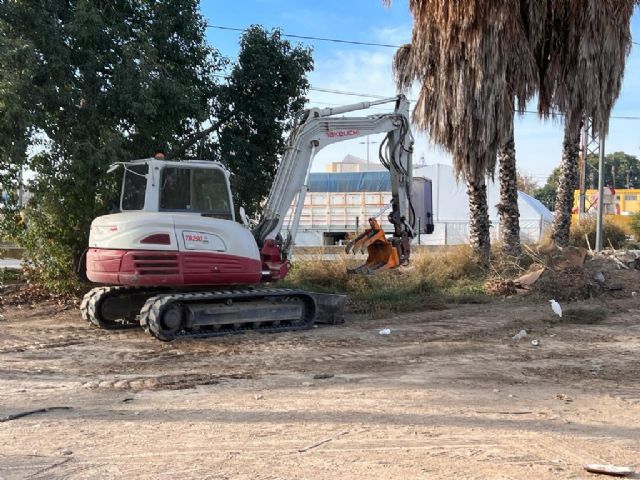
x=308 y=37
x=353 y=94
x=367 y=95
x=382 y=97
x=324 y=39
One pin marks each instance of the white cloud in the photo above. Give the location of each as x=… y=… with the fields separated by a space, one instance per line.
x=360 y=71
x=538 y=143
x=394 y=35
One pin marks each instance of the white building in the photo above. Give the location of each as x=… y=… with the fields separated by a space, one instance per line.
x=351 y=163
x=339 y=204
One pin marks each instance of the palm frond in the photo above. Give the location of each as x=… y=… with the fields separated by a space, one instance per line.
x=403 y=72
x=478 y=60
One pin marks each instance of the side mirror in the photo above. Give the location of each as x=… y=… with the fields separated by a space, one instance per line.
x=243 y=217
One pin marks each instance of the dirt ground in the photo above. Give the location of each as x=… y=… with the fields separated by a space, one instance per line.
x=447 y=394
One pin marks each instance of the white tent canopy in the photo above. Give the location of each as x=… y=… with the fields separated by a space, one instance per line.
x=451 y=209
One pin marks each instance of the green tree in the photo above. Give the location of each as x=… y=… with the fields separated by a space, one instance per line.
x=626 y=168
x=265 y=92
x=547 y=193
x=107 y=82
x=14 y=121
x=621 y=170
x=84 y=84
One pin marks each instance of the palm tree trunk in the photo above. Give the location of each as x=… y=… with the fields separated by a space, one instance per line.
x=508 y=206
x=479 y=235
x=566 y=186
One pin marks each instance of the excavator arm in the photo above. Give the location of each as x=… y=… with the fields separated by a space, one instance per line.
x=319 y=128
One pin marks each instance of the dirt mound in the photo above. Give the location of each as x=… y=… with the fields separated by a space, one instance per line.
x=572 y=283
x=575 y=274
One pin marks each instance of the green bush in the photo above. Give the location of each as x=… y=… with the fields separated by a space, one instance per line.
x=614 y=235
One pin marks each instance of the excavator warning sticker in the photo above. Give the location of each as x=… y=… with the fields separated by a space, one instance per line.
x=203 y=241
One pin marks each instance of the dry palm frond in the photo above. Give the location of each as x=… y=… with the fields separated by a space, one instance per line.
x=581 y=57
x=403 y=67
x=472 y=58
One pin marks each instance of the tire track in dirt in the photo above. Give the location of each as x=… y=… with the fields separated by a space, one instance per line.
x=163 y=382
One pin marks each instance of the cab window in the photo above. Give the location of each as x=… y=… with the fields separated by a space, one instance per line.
x=202 y=190
x=134 y=186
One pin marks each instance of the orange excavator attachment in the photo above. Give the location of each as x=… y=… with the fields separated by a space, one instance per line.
x=382 y=254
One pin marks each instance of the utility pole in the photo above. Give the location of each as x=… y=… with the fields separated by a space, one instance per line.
x=367 y=143
x=589 y=146
x=599 y=231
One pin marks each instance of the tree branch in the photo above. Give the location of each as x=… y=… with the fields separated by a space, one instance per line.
x=193 y=139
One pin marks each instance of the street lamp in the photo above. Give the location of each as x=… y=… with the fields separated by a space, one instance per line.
x=367 y=143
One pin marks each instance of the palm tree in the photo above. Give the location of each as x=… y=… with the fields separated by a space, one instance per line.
x=508 y=206
x=583 y=61
x=564 y=193
x=471 y=59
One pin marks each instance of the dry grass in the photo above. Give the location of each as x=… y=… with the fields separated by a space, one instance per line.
x=422 y=285
x=613 y=235
x=435 y=278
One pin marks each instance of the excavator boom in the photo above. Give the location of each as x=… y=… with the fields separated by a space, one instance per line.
x=322 y=127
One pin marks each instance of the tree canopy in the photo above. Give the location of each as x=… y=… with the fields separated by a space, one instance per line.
x=265 y=93
x=621 y=170
x=84 y=84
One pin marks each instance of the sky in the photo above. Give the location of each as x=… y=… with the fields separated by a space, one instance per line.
x=367 y=70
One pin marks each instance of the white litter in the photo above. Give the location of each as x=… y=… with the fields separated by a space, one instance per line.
x=555 y=306
x=535 y=343
x=520 y=335
x=385 y=331
x=609 y=470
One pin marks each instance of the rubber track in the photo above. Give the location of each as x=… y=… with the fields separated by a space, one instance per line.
x=89 y=306
x=151 y=313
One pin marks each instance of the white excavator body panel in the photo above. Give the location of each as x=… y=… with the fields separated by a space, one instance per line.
x=176 y=227
x=172 y=232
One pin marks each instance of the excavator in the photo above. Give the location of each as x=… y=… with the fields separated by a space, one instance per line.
x=178 y=262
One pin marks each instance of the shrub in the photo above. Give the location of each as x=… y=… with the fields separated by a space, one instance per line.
x=635 y=225
x=613 y=235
